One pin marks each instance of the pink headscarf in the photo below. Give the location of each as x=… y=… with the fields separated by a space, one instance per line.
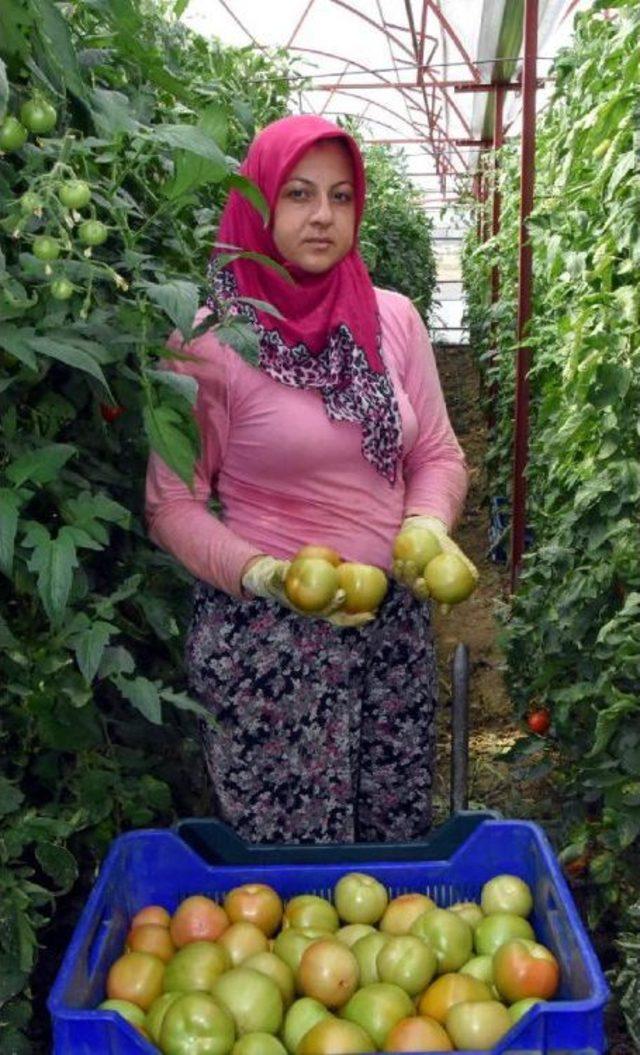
x=329 y=337
x=317 y=304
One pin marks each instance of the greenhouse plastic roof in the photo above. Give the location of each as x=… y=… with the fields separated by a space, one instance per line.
x=404 y=67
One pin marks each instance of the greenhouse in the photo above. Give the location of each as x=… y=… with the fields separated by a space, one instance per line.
x=319 y=527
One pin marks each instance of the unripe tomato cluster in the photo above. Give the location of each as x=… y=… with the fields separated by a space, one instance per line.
x=362 y=972
x=37 y=115
x=317 y=573
x=418 y=555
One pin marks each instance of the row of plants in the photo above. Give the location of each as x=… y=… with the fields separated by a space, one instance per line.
x=397 y=233
x=571 y=632
x=121 y=132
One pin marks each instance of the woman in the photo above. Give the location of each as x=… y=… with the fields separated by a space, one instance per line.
x=324 y=726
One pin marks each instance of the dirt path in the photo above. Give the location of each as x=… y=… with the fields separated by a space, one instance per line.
x=492 y=728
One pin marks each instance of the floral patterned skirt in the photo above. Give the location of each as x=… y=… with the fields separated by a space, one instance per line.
x=321 y=734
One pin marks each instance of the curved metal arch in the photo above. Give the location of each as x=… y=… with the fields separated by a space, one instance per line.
x=386 y=80
x=359 y=65
x=392 y=36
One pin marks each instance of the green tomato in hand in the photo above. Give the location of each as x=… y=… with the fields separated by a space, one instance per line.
x=75 y=194
x=38 y=116
x=92 y=232
x=46 y=248
x=13 y=135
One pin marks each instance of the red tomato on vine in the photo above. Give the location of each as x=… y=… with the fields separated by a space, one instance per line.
x=539 y=721
x=111 y=413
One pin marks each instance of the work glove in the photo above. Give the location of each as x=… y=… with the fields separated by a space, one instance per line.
x=266 y=579
x=408 y=573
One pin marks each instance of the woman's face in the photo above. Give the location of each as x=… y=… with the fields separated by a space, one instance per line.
x=314 y=219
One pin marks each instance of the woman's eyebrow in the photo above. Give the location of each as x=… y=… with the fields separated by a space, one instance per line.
x=303 y=179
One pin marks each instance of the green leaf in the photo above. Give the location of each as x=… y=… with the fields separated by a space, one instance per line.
x=4 y=90
x=15 y=340
x=178 y=299
x=244 y=113
x=56 y=37
x=89 y=646
x=58 y=863
x=143 y=694
x=223 y=259
x=72 y=356
x=185 y=703
x=12 y=977
x=16 y=20
x=7 y=640
x=196 y=141
x=179 y=7
x=42 y=465
x=9 y=509
x=251 y=192
x=54 y=561
x=112 y=113
x=11 y=798
x=628 y=299
x=241 y=336
x=261 y=305
x=192 y=171
x=168 y=437
x=625 y=164
x=86 y=509
x=116 y=660
x=185 y=385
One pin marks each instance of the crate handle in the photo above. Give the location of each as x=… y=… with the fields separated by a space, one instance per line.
x=98 y=939
x=217 y=843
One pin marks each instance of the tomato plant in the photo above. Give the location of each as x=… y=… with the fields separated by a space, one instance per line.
x=91 y=615
x=570 y=633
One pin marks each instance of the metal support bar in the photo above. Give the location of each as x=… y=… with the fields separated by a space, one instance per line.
x=498 y=139
x=460 y=729
x=510 y=86
x=525 y=283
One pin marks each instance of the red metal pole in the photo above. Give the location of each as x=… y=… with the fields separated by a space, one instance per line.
x=498 y=139
x=525 y=289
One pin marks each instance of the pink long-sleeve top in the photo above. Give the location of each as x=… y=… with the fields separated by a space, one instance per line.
x=285 y=475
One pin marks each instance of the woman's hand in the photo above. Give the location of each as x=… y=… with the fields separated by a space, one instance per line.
x=411 y=574
x=265 y=577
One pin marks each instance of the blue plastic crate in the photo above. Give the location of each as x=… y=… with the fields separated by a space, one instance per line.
x=499 y=521
x=159 y=867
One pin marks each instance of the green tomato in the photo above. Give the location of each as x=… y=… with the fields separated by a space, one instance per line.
x=133 y=1014
x=75 y=194
x=30 y=202
x=38 y=115
x=196 y=1022
x=46 y=248
x=13 y=135
x=92 y=232
x=62 y=289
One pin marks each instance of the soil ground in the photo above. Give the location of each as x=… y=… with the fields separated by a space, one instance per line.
x=493 y=783
x=491 y=721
